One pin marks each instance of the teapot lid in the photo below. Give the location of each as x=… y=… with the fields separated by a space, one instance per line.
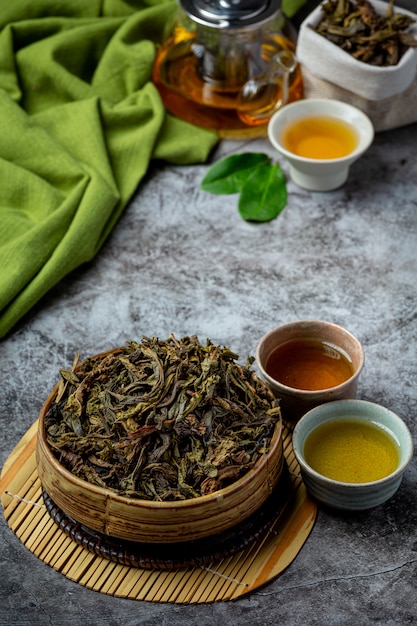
x=230 y=13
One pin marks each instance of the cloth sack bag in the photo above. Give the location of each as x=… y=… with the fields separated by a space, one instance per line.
x=388 y=95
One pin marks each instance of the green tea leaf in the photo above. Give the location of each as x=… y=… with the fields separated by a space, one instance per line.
x=228 y=175
x=290 y=7
x=264 y=195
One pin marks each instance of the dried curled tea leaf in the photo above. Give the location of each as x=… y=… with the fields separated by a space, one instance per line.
x=357 y=28
x=162 y=420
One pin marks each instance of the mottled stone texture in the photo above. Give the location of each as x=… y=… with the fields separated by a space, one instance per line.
x=183 y=261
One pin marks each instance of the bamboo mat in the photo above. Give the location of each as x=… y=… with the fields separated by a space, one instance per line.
x=225 y=579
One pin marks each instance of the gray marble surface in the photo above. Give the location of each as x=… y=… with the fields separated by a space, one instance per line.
x=183 y=261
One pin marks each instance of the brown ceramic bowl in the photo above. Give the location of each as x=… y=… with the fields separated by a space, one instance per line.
x=146 y=521
x=294 y=401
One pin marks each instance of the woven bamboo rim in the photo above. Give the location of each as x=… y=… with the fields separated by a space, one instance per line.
x=171 y=556
x=224 y=579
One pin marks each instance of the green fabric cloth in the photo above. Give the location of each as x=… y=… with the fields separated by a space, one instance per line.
x=81 y=123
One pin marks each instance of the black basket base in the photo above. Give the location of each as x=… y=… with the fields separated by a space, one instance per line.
x=172 y=556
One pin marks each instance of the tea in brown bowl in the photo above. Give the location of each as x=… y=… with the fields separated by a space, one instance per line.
x=160 y=442
x=309 y=362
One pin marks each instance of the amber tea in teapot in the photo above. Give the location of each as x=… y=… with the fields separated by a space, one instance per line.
x=228 y=65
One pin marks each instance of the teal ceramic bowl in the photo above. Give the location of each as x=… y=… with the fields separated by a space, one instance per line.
x=353 y=496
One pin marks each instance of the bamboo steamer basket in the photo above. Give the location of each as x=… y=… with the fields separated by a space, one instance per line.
x=138 y=520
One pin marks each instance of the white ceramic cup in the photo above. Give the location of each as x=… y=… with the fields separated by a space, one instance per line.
x=320 y=174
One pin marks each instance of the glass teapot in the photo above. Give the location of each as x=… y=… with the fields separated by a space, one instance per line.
x=228 y=65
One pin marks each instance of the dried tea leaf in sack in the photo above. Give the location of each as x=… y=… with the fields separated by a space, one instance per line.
x=357 y=28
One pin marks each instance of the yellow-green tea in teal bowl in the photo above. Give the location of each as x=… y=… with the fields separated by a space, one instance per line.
x=352 y=453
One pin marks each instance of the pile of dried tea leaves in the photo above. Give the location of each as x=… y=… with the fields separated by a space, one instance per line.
x=358 y=29
x=161 y=420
